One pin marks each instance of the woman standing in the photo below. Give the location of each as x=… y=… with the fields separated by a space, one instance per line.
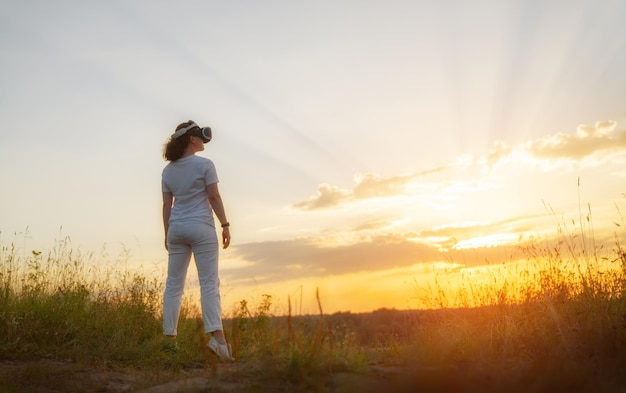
x=190 y=197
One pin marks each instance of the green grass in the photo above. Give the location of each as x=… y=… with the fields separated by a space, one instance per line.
x=558 y=324
x=60 y=306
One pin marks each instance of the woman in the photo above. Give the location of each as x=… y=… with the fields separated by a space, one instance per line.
x=190 y=197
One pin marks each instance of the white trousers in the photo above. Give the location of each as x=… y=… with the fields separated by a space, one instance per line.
x=182 y=241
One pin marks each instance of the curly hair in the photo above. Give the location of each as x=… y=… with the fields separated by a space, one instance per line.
x=175 y=147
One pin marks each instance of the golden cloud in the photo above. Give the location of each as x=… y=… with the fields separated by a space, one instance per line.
x=275 y=261
x=369 y=185
x=269 y=260
x=588 y=140
x=602 y=138
x=470 y=244
x=326 y=196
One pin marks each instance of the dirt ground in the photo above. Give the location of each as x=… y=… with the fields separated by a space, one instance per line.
x=53 y=376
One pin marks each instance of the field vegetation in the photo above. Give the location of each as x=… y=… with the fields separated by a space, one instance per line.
x=559 y=324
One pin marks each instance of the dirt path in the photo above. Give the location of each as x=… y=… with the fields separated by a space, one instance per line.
x=52 y=376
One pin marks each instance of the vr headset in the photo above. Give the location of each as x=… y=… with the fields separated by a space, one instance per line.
x=203 y=133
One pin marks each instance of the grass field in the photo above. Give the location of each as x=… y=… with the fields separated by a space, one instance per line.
x=67 y=326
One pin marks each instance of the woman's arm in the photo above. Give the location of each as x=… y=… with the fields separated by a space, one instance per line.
x=218 y=207
x=168 y=200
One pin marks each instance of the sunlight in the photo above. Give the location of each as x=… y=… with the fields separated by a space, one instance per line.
x=486 y=241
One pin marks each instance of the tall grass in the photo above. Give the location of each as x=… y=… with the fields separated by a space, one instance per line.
x=62 y=305
x=553 y=319
x=291 y=348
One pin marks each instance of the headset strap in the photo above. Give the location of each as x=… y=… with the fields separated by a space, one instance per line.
x=182 y=131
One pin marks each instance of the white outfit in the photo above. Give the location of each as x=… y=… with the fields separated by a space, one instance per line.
x=191 y=230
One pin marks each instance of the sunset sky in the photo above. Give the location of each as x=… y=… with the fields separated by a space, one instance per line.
x=362 y=146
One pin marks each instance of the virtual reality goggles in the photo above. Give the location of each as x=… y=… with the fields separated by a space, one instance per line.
x=203 y=133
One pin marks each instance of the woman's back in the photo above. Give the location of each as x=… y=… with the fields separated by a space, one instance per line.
x=187 y=178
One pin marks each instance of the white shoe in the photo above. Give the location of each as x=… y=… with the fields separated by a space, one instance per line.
x=223 y=351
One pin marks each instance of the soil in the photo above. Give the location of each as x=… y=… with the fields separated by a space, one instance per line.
x=53 y=376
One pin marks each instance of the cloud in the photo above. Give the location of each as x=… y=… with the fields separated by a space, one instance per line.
x=273 y=261
x=588 y=141
x=327 y=196
x=299 y=258
x=372 y=249
x=369 y=185
x=475 y=234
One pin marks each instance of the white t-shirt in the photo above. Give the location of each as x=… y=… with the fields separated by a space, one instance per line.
x=187 y=178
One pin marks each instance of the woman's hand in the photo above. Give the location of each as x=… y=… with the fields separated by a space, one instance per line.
x=226 y=237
